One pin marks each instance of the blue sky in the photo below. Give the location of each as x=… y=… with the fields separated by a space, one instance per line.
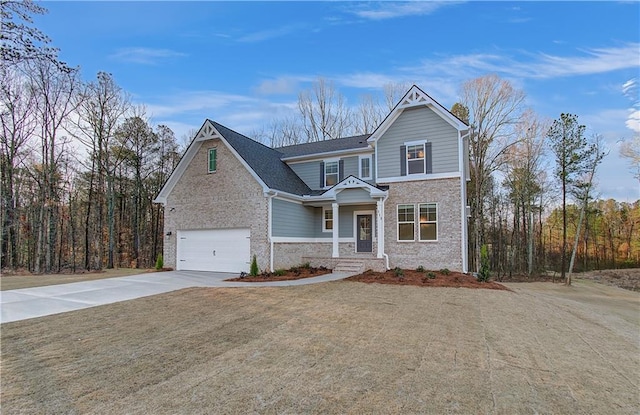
x=243 y=63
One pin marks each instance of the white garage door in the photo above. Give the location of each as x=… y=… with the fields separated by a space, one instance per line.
x=222 y=250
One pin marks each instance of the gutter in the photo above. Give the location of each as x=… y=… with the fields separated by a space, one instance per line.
x=384 y=254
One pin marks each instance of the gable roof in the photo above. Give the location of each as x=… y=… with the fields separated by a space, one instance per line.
x=416 y=97
x=327 y=146
x=264 y=161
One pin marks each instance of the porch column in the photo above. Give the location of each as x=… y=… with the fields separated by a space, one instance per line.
x=380 y=227
x=336 y=232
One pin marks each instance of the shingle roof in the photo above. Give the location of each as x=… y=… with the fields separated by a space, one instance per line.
x=265 y=161
x=327 y=146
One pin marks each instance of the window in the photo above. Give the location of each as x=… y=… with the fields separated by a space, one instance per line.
x=415 y=159
x=213 y=159
x=330 y=173
x=428 y=222
x=406 y=222
x=365 y=167
x=327 y=219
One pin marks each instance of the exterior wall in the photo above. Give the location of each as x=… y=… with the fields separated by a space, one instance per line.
x=228 y=198
x=292 y=219
x=309 y=171
x=287 y=255
x=416 y=124
x=443 y=253
x=345 y=229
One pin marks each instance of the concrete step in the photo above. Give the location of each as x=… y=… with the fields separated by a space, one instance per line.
x=350 y=266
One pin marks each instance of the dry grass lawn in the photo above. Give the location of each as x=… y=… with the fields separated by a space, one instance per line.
x=341 y=347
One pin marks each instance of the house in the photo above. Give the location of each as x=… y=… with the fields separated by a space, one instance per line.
x=395 y=198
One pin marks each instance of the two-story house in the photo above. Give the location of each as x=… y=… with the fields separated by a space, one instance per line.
x=395 y=198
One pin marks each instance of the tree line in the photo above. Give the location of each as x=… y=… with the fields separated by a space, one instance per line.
x=81 y=165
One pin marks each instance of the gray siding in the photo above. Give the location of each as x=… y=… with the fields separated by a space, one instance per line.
x=346 y=218
x=309 y=171
x=416 y=124
x=353 y=196
x=297 y=221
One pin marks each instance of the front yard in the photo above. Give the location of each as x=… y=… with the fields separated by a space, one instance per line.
x=341 y=347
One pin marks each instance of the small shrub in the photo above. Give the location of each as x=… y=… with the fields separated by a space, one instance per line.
x=279 y=272
x=431 y=275
x=445 y=271
x=484 y=273
x=420 y=269
x=306 y=265
x=398 y=272
x=253 y=271
x=159 y=262
x=295 y=270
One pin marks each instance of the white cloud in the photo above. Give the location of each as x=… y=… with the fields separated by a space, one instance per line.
x=280 y=85
x=268 y=34
x=390 y=10
x=146 y=56
x=631 y=90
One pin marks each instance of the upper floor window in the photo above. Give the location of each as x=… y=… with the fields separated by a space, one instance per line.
x=330 y=173
x=415 y=158
x=365 y=167
x=213 y=159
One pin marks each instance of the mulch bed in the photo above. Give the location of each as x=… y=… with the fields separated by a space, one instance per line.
x=291 y=274
x=412 y=277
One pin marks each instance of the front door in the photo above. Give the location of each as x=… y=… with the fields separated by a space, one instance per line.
x=364 y=240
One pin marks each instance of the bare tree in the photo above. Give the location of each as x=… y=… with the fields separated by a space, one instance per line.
x=55 y=90
x=368 y=115
x=631 y=151
x=325 y=114
x=494 y=107
x=21 y=42
x=393 y=91
x=17 y=125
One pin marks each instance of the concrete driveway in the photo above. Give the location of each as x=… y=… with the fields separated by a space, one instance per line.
x=34 y=302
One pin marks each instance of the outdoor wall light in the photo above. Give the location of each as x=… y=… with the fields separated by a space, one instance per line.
x=169 y=233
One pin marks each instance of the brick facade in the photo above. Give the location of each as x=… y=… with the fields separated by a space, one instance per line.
x=229 y=198
x=446 y=251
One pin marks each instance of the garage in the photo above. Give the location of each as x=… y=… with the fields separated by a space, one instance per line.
x=222 y=250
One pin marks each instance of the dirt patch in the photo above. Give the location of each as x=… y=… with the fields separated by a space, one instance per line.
x=426 y=279
x=284 y=275
x=629 y=279
x=339 y=347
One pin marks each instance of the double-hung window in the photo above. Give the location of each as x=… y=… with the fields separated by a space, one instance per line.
x=428 y=222
x=365 y=167
x=327 y=219
x=415 y=159
x=331 y=173
x=406 y=222
x=213 y=160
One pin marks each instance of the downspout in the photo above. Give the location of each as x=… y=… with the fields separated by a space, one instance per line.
x=463 y=202
x=270 y=195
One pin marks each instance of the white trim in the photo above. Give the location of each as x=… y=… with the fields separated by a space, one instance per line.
x=415 y=97
x=209 y=159
x=367 y=157
x=335 y=249
x=355 y=227
x=398 y=223
x=463 y=202
x=206 y=132
x=415 y=177
x=419 y=222
x=424 y=156
x=337 y=173
x=293 y=239
x=324 y=219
